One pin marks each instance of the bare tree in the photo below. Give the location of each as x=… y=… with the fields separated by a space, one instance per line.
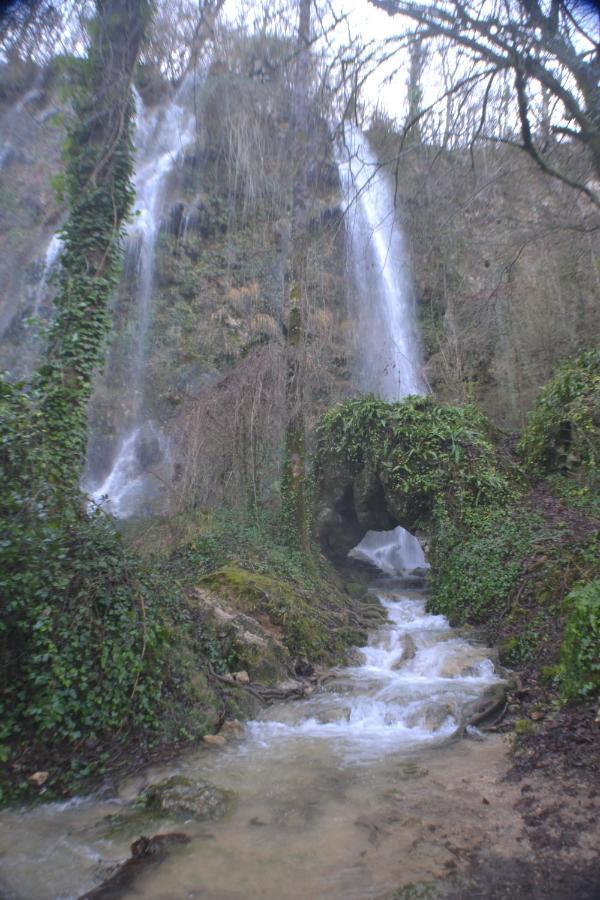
x=551 y=52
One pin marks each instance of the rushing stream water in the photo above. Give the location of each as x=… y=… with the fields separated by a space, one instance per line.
x=312 y=779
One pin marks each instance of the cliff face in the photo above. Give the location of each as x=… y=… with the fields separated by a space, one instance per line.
x=32 y=120
x=213 y=367
x=505 y=261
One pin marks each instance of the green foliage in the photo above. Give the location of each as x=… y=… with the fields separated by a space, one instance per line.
x=430 y=456
x=579 y=670
x=574 y=494
x=476 y=569
x=563 y=433
x=86 y=626
x=227 y=536
x=90 y=267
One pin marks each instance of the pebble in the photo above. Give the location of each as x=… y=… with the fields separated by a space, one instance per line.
x=38 y=778
x=232 y=727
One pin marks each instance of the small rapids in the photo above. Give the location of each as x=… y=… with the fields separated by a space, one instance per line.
x=410 y=689
x=338 y=795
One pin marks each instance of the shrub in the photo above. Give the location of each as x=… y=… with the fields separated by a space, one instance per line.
x=429 y=455
x=579 y=672
x=85 y=626
x=476 y=569
x=563 y=433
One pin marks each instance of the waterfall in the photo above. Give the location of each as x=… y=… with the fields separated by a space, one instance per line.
x=161 y=138
x=385 y=309
x=9 y=123
x=391 y=551
x=390 y=363
x=51 y=261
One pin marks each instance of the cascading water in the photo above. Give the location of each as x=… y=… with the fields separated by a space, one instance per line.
x=390 y=363
x=318 y=782
x=161 y=138
x=391 y=551
x=51 y=261
x=385 y=310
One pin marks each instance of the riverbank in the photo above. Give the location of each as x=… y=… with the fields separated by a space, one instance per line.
x=302 y=788
x=367 y=787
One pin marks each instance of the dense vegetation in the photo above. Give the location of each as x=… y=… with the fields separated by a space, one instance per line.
x=506 y=554
x=108 y=635
x=89 y=627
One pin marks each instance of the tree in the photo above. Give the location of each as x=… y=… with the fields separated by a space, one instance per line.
x=100 y=192
x=551 y=54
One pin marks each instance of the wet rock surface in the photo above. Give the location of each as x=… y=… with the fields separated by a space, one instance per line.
x=185 y=798
x=177 y=799
x=144 y=852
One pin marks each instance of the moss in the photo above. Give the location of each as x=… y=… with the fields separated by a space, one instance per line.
x=303 y=626
x=524 y=726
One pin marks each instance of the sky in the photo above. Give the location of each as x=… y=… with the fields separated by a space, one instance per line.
x=362 y=23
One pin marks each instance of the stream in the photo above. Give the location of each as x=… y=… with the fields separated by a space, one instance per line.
x=345 y=794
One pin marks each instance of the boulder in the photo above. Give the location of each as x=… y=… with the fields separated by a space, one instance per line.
x=179 y=797
x=232 y=728
x=407 y=651
x=215 y=740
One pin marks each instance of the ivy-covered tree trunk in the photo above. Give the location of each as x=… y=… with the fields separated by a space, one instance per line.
x=99 y=156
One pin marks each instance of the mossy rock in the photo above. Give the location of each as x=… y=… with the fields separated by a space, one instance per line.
x=274 y=602
x=383 y=464
x=185 y=798
x=177 y=798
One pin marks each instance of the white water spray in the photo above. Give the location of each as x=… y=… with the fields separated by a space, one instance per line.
x=51 y=261
x=161 y=139
x=391 y=551
x=389 y=348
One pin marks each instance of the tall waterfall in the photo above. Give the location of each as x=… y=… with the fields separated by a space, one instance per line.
x=161 y=138
x=389 y=357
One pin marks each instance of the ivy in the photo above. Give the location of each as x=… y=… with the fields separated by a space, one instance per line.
x=429 y=455
x=85 y=627
x=579 y=670
x=98 y=185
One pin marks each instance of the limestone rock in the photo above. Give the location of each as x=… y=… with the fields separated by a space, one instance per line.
x=232 y=728
x=242 y=677
x=215 y=740
x=179 y=797
x=407 y=651
x=38 y=778
x=335 y=714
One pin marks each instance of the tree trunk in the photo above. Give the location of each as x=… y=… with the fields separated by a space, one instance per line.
x=99 y=187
